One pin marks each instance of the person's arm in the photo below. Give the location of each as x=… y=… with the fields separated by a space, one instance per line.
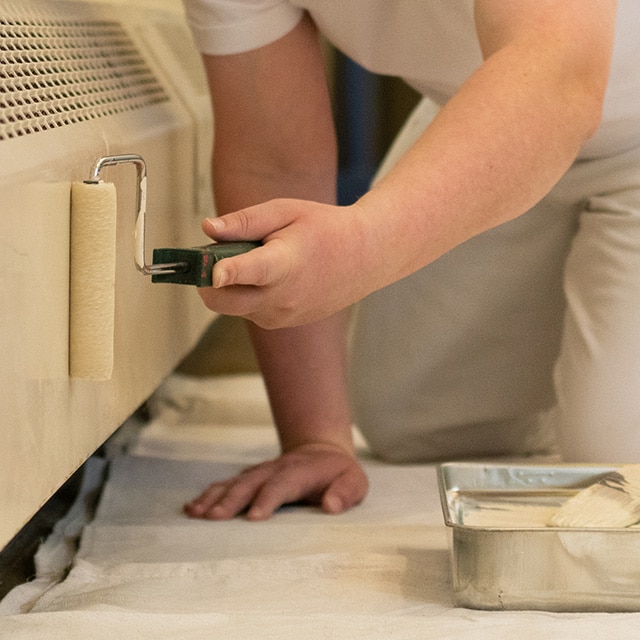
x=274 y=137
x=495 y=149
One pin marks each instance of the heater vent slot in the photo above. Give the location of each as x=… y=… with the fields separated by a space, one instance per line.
x=57 y=71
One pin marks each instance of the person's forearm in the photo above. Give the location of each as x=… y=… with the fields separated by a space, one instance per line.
x=496 y=148
x=304 y=371
x=304 y=367
x=275 y=138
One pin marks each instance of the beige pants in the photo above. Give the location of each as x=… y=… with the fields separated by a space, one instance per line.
x=524 y=333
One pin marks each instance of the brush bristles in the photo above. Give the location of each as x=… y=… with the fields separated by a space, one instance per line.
x=612 y=502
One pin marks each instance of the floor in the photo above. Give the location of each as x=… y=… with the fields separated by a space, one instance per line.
x=144 y=570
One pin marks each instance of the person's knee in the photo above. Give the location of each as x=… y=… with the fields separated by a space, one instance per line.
x=599 y=417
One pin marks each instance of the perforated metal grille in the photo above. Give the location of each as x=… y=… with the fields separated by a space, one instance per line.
x=57 y=71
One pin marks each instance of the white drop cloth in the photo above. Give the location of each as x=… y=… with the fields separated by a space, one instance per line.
x=144 y=570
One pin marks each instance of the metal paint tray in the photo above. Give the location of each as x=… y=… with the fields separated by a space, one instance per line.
x=505 y=557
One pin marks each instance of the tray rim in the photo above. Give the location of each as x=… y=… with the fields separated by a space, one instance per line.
x=596 y=468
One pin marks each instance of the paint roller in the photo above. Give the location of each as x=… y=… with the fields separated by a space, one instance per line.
x=92 y=280
x=93 y=262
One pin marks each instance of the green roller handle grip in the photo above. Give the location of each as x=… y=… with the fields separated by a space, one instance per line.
x=196 y=263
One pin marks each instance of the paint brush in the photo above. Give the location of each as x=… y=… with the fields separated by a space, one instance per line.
x=611 y=502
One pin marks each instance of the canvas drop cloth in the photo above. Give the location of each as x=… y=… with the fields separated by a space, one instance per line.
x=144 y=570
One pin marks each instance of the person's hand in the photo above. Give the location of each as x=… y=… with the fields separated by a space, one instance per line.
x=322 y=474
x=315 y=260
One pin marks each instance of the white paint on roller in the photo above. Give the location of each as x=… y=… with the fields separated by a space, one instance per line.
x=92 y=280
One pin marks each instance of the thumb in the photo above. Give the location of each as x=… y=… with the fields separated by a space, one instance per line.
x=252 y=223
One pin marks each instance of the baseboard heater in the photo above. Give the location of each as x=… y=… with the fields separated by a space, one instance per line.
x=82 y=80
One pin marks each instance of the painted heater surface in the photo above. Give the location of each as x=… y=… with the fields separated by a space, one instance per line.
x=81 y=80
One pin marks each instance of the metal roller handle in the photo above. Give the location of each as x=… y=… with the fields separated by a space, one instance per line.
x=141 y=210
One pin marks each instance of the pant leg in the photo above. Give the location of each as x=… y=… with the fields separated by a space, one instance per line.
x=597 y=376
x=458 y=359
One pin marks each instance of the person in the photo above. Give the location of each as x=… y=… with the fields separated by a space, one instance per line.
x=495 y=262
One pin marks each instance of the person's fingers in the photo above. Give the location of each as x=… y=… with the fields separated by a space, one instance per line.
x=231 y=301
x=346 y=491
x=248 y=302
x=241 y=283
x=199 y=505
x=294 y=483
x=327 y=477
x=252 y=223
x=225 y=500
x=260 y=267
x=289 y=485
x=236 y=499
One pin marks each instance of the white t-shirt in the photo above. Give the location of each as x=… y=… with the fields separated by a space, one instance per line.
x=431 y=44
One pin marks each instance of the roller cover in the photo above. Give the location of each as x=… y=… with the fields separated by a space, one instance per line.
x=92 y=280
